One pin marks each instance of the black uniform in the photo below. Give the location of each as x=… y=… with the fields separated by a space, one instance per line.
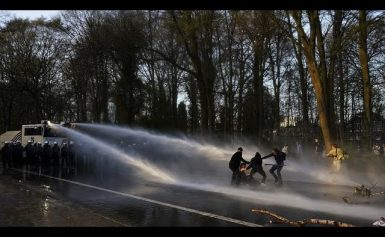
x=17 y=154
x=279 y=157
x=38 y=154
x=234 y=164
x=3 y=150
x=256 y=166
x=6 y=155
x=46 y=154
x=64 y=153
x=55 y=154
x=30 y=153
x=72 y=155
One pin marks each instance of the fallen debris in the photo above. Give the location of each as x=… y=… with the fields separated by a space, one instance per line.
x=380 y=222
x=379 y=193
x=362 y=191
x=347 y=200
x=280 y=219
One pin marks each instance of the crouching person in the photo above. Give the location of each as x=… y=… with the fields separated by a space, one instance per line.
x=337 y=154
x=256 y=167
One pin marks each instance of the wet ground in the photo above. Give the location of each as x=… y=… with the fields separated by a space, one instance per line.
x=35 y=196
x=25 y=205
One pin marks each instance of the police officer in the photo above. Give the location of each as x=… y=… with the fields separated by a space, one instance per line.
x=29 y=152
x=72 y=154
x=17 y=154
x=3 y=150
x=46 y=154
x=64 y=153
x=6 y=154
x=38 y=154
x=55 y=153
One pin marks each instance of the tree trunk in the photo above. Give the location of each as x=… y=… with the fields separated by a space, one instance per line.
x=304 y=91
x=298 y=51
x=258 y=93
x=363 y=53
x=327 y=80
x=323 y=117
x=338 y=48
x=309 y=50
x=240 y=100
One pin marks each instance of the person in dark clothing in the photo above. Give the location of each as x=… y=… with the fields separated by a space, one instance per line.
x=318 y=148
x=46 y=155
x=64 y=153
x=55 y=154
x=234 y=164
x=38 y=154
x=17 y=154
x=72 y=154
x=9 y=155
x=30 y=153
x=256 y=167
x=279 y=157
x=33 y=161
x=3 y=157
x=6 y=155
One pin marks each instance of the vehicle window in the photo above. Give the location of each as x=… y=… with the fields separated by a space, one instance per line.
x=35 y=131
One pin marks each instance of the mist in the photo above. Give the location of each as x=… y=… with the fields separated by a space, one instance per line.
x=191 y=164
x=178 y=153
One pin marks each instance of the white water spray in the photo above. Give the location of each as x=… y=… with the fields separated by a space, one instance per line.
x=303 y=171
x=185 y=144
x=97 y=144
x=279 y=198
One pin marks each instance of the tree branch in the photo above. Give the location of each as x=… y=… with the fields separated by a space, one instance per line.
x=281 y=219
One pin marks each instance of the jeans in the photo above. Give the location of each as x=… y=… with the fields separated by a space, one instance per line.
x=278 y=177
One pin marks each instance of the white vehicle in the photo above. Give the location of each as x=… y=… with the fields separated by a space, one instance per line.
x=36 y=133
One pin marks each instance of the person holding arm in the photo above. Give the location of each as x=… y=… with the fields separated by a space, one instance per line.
x=279 y=157
x=256 y=167
x=234 y=164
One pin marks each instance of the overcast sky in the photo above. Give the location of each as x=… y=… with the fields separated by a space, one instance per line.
x=33 y=14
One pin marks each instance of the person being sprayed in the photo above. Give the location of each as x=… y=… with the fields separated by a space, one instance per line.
x=256 y=167
x=234 y=164
x=242 y=177
x=337 y=154
x=279 y=157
